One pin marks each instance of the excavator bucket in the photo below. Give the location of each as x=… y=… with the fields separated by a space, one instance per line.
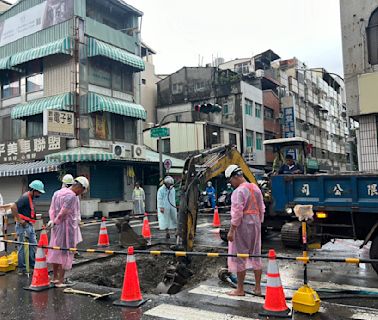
x=128 y=237
x=174 y=279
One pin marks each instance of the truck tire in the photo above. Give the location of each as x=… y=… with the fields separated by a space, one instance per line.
x=374 y=252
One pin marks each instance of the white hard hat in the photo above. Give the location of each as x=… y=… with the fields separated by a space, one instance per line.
x=68 y=179
x=232 y=170
x=169 y=180
x=83 y=181
x=209 y=183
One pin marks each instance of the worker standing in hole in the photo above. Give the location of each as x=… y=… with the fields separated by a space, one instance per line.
x=166 y=204
x=247 y=215
x=25 y=216
x=138 y=198
x=210 y=191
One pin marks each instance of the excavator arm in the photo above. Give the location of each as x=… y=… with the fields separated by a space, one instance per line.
x=197 y=171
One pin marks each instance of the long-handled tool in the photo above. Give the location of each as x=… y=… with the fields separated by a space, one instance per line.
x=96 y=296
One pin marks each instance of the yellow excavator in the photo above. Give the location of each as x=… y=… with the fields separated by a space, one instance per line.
x=197 y=171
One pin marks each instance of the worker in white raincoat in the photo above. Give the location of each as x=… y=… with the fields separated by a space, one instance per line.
x=166 y=206
x=138 y=199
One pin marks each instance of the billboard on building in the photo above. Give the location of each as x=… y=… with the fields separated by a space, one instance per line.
x=29 y=149
x=34 y=19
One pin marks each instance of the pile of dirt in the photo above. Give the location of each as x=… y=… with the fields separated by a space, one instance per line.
x=110 y=272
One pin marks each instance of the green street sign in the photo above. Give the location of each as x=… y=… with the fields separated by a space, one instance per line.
x=159 y=132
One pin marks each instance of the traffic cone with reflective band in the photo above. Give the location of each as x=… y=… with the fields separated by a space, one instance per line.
x=40 y=279
x=146 y=231
x=275 y=302
x=131 y=295
x=103 y=238
x=43 y=239
x=216 y=219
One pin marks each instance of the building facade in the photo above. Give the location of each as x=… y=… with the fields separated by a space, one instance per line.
x=359 y=26
x=70 y=89
x=241 y=106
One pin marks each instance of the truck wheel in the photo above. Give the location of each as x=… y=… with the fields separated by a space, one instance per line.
x=374 y=252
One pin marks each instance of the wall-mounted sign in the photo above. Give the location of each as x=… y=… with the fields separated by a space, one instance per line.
x=288 y=122
x=59 y=123
x=34 y=19
x=30 y=148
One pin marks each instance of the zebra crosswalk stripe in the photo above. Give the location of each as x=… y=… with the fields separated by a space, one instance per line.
x=168 y=311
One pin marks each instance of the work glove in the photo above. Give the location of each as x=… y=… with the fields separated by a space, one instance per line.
x=50 y=224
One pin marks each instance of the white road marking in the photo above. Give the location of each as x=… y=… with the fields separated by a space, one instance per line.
x=206 y=224
x=221 y=292
x=167 y=311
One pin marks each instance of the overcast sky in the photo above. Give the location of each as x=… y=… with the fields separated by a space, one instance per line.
x=181 y=30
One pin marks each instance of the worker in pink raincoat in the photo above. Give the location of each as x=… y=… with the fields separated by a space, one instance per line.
x=247 y=215
x=65 y=233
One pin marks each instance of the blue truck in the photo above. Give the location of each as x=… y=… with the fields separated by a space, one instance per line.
x=345 y=205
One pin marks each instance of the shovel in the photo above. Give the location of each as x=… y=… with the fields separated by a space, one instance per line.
x=96 y=296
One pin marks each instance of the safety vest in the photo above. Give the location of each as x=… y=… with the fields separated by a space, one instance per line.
x=252 y=206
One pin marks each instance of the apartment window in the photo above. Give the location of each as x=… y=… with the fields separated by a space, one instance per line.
x=242 y=68
x=372 y=38
x=10 y=86
x=248 y=107
x=199 y=86
x=268 y=113
x=6 y=129
x=34 y=126
x=176 y=88
x=259 y=139
x=249 y=138
x=118 y=127
x=100 y=74
x=144 y=81
x=122 y=78
x=258 y=110
x=225 y=109
x=232 y=139
x=34 y=78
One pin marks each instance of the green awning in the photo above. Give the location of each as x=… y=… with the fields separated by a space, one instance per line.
x=60 y=46
x=59 y=102
x=5 y=63
x=97 y=102
x=99 y=48
x=79 y=155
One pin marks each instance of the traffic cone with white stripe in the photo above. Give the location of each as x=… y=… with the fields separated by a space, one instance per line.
x=146 y=231
x=216 y=219
x=40 y=279
x=131 y=295
x=275 y=302
x=103 y=238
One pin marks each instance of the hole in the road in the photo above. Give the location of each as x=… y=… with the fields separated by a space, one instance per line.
x=110 y=272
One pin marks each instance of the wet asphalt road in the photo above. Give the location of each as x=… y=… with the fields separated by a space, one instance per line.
x=207 y=300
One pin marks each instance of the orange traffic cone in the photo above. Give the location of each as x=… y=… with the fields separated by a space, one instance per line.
x=40 y=279
x=275 y=302
x=43 y=239
x=103 y=238
x=146 y=231
x=216 y=219
x=131 y=295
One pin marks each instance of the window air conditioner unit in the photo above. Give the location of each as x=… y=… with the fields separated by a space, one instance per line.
x=139 y=152
x=121 y=150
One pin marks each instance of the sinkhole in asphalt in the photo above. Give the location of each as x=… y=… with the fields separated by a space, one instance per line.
x=151 y=269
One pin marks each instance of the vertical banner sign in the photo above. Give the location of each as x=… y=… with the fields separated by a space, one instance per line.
x=41 y=16
x=289 y=122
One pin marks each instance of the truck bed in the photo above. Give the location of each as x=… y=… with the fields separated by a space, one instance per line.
x=351 y=192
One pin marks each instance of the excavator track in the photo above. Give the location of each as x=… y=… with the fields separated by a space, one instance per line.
x=291 y=234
